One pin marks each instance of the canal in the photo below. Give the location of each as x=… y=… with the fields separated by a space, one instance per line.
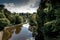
x=17 y=33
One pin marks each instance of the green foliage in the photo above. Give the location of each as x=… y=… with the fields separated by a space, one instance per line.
x=50 y=26
x=48 y=19
x=18 y=19
x=2 y=15
x=4 y=22
x=7 y=18
x=12 y=19
x=1 y=7
x=32 y=20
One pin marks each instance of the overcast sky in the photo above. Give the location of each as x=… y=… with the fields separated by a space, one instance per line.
x=20 y=6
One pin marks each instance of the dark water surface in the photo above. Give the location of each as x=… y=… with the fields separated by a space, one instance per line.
x=18 y=33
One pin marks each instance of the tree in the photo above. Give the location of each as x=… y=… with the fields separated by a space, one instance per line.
x=3 y=20
x=48 y=17
x=2 y=7
x=19 y=19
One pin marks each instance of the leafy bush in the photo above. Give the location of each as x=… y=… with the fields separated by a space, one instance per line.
x=4 y=22
x=52 y=29
x=2 y=15
x=18 y=19
x=32 y=20
x=50 y=26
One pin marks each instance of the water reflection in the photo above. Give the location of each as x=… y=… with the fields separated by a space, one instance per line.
x=33 y=29
x=17 y=33
x=18 y=29
x=7 y=34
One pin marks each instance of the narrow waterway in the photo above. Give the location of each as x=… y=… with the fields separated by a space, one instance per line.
x=17 y=33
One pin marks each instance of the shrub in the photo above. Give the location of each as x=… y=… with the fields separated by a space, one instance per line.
x=2 y=15
x=4 y=22
x=18 y=19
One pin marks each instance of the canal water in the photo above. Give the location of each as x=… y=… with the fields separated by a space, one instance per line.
x=18 y=33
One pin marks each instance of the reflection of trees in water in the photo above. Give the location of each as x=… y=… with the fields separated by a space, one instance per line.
x=18 y=29
x=33 y=29
x=7 y=33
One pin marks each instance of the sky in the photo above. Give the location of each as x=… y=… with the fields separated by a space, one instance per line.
x=20 y=6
